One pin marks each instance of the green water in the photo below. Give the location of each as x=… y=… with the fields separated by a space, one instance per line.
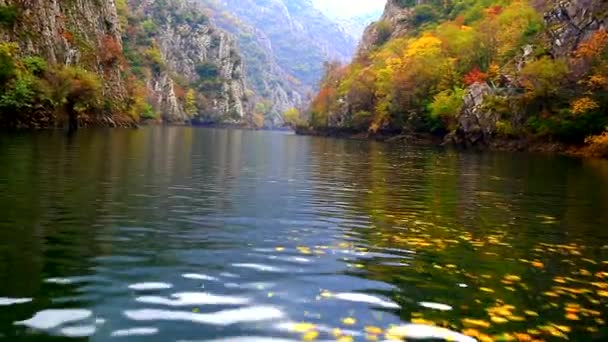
x=182 y=234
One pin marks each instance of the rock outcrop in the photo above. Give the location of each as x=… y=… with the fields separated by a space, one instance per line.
x=572 y=21
x=396 y=21
x=475 y=124
x=72 y=32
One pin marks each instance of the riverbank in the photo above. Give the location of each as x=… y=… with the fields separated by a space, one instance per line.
x=532 y=144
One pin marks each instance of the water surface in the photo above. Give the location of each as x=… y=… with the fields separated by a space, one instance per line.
x=182 y=234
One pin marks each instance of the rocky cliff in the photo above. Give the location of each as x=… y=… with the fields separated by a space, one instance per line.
x=199 y=56
x=396 y=21
x=572 y=21
x=72 y=33
x=114 y=62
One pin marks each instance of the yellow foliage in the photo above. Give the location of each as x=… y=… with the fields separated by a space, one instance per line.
x=598 y=145
x=427 y=45
x=583 y=105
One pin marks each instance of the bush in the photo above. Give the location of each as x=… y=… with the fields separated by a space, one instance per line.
x=446 y=106
x=424 y=14
x=8 y=15
x=385 y=30
x=598 y=145
x=19 y=96
x=75 y=89
x=207 y=71
x=36 y=65
x=148 y=112
x=8 y=68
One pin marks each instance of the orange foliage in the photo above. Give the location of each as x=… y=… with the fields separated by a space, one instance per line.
x=475 y=76
x=494 y=11
x=111 y=51
x=598 y=145
x=583 y=105
x=324 y=99
x=179 y=91
x=69 y=37
x=593 y=46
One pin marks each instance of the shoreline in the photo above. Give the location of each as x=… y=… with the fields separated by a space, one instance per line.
x=531 y=145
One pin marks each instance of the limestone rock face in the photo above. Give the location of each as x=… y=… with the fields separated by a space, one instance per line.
x=572 y=21
x=474 y=124
x=397 y=18
x=186 y=46
x=70 y=32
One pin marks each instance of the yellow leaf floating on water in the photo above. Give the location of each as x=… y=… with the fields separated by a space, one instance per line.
x=485 y=289
x=471 y=332
x=531 y=313
x=538 y=264
x=373 y=330
x=326 y=294
x=516 y=318
x=522 y=337
x=504 y=338
x=563 y=328
x=280 y=249
x=475 y=322
x=303 y=327
x=310 y=336
x=498 y=319
x=602 y=293
x=345 y=338
x=550 y=294
x=422 y=321
x=336 y=332
x=371 y=337
x=511 y=277
x=559 y=280
x=349 y=321
x=304 y=250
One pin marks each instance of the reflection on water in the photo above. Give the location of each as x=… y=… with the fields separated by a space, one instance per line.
x=180 y=234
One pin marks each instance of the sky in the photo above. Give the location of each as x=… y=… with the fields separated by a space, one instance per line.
x=349 y=8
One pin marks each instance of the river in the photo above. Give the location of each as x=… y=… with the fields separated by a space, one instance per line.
x=185 y=234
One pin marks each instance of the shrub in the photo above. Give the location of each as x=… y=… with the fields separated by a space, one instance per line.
x=19 y=96
x=8 y=15
x=424 y=14
x=598 y=145
x=446 y=106
x=148 y=112
x=75 y=89
x=8 y=67
x=207 y=71
x=111 y=51
x=36 y=65
x=385 y=30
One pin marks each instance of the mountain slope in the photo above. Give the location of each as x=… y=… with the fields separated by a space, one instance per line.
x=114 y=62
x=476 y=72
x=285 y=44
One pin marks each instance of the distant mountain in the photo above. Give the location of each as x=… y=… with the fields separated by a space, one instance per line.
x=355 y=26
x=285 y=44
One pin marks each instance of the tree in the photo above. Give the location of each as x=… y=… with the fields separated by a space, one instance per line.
x=190 y=103
x=543 y=78
x=292 y=117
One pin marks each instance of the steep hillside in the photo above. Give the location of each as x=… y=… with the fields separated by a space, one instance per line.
x=71 y=43
x=476 y=72
x=192 y=70
x=285 y=44
x=113 y=63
